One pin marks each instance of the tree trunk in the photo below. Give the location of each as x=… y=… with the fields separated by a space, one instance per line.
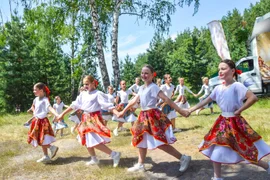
x=100 y=52
x=72 y=82
x=114 y=48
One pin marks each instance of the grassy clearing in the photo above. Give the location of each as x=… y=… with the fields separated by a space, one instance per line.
x=70 y=161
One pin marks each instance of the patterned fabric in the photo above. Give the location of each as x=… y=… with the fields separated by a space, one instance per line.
x=236 y=133
x=38 y=129
x=120 y=107
x=92 y=122
x=165 y=108
x=153 y=122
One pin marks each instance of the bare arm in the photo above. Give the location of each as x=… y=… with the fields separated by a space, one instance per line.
x=172 y=104
x=52 y=110
x=251 y=99
x=61 y=116
x=131 y=103
x=201 y=104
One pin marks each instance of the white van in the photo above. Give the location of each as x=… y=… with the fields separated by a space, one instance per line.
x=255 y=69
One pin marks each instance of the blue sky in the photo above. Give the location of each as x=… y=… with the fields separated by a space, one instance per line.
x=134 y=36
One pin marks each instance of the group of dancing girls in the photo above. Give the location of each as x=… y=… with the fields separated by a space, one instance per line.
x=230 y=140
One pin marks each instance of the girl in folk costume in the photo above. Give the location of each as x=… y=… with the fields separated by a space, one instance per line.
x=207 y=91
x=168 y=90
x=106 y=115
x=92 y=132
x=41 y=132
x=59 y=125
x=181 y=100
x=122 y=95
x=231 y=139
x=135 y=87
x=152 y=129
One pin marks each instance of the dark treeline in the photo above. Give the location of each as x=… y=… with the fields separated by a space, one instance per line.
x=31 y=50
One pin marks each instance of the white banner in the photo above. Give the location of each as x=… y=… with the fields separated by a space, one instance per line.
x=219 y=39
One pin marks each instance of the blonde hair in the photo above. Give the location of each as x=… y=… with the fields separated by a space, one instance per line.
x=110 y=87
x=181 y=78
x=204 y=79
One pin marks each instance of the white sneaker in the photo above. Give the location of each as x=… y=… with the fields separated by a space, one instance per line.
x=44 y=159
x=184 y=163
x=92 y=162
x=115 y=131
x=197 y=112
x=116 y=159
x=53 y=150
x=137 y=167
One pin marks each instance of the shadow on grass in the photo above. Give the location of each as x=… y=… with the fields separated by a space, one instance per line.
x=203 y=170
x=188 y=129
x=68 y=160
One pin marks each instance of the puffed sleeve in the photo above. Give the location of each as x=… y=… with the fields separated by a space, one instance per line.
x=47 y=103
x=103 y=100
x=154 y=91
x=213 y=95
x=77 y=103
x=241 y=91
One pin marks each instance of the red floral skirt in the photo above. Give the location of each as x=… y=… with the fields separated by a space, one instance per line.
x=38 y=129
x=153 y=122
x=92 y=122
x=235 y=133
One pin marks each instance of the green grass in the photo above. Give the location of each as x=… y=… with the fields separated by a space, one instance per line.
x=70 y=161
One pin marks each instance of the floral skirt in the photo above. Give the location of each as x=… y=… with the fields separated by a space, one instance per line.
x=231 y=140
x=92 y=125
x=153 y=126
x=40 y=132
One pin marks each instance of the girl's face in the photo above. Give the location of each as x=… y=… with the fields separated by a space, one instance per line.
x=58 y=100
x=181 y=81
x=137 y=81
x=88 y=86
x=38 y=92
x=123 y=85
x=110 y=90
x=168 y=79
x=146 y=75
x=225 y=72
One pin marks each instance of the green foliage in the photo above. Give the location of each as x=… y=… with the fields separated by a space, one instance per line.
x=128 y=71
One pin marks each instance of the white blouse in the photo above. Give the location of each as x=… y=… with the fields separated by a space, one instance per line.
x=181 y=90
x=168 y=90
x=135 y=88
x=124 y=95
x=59 y=107
x=148 y=96
x=41 y=107
x=231 y=98
x=206 y=90
x=92 y=101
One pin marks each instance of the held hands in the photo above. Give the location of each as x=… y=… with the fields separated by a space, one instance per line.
x=120 y=114
x=59 y=117
x=185 y=113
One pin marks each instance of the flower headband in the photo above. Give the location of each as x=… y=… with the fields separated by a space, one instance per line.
x=96 y=82
x=154 y=74
x=238 y=71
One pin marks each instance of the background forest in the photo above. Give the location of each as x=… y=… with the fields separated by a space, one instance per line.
x=31 y=46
